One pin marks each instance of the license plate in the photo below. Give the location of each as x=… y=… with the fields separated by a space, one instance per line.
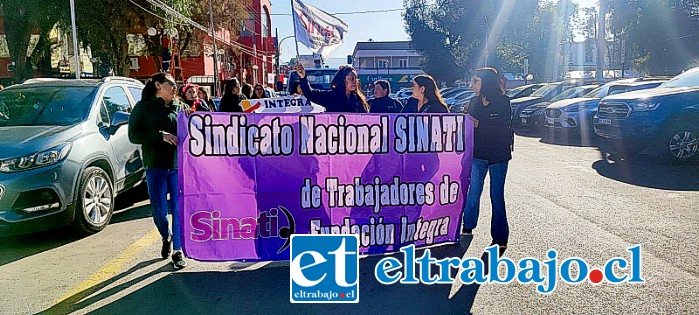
x=604 y=121
x=549 y=121
x=524 y=121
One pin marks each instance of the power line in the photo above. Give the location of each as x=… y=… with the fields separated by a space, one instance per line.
x=353 y=12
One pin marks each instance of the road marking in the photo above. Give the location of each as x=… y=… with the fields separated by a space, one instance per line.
x=111 y=268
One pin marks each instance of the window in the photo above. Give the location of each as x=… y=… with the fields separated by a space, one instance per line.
x=114 y=100
x=248 y=26
x=265 y=23
x=403 y=63
x=382 y=63
x=136 y=93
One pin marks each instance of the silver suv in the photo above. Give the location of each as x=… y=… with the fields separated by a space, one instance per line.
x=65 y=152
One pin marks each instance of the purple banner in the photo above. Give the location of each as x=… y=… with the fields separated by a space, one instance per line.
x=249 y=181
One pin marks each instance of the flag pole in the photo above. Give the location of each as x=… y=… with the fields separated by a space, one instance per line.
x=293 y=17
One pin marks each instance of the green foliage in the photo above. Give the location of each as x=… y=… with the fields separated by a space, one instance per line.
x=451 y=34
x=661 y=35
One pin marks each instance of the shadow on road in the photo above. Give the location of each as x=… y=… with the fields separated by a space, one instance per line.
x=573 y=140
x=21 y=246
x=648 y=170
x=85 y=298
x=528 y=133
x=266 y=291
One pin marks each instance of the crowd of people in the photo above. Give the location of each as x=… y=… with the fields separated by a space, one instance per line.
x=153 y=125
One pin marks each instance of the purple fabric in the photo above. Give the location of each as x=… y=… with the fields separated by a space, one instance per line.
x=255 y=198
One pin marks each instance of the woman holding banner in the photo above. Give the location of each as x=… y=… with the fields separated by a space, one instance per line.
x=153 y=125
x=492 y=143
x=426 y=97
x=344 y=96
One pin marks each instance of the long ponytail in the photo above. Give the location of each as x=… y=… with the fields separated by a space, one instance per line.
x=150 y=90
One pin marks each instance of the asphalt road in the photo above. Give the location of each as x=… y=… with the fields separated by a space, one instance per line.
x=571 y=198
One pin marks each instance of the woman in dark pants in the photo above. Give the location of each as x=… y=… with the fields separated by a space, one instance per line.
x=426 y=97
x=344 y=97
x=492 y=146
x=153 y=125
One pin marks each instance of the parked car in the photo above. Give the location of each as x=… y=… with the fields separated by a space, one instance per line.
x=665 y=118
x=452 y=91
x=523 y=91
x=458 y=101
x=65 y=152
x=543 y=94
x=318 y=78
x=533 y=116
x=574 y=115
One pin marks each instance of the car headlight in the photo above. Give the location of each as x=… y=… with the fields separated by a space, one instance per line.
x=645 y=106
x=36 y=160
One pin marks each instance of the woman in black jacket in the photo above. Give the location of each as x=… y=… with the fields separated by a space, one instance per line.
x=344 y=97
x=230 y=102
x=492 y=143
x=426 y=97
x=153 y=125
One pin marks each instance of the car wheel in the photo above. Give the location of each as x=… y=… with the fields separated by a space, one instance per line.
x=682 y=143
x=95 y=203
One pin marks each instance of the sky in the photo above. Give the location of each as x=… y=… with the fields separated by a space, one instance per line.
x=384 y=26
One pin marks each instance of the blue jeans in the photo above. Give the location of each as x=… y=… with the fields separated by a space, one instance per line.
x=161 y=182
x=499 y=229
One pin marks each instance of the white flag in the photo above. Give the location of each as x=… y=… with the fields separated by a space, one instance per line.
x=321 y=32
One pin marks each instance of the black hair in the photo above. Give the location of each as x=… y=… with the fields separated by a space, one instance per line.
x=206 y=94
x=247 y=90
x=230 y=85
x=490 y=83
x=338 y=85
x=384 y=84
x=254 y=94
x=150 y=90
x=431 y=91
x=294 y=86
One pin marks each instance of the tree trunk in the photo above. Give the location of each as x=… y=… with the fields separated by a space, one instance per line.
x=18 y=27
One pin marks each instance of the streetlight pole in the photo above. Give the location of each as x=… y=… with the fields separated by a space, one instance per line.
x=601 y=41
x=75 y=39
x=215 y=55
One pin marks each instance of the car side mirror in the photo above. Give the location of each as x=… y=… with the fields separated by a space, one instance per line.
x=119 y=119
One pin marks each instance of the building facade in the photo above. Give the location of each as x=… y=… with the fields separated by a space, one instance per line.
x=396 y=62
x=249 y=56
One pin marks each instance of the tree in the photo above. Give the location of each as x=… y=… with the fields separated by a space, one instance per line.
x=22 y=19
x=660 y=35
x=452 y=34
x=124 y=16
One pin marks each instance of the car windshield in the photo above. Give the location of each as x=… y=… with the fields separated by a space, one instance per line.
x=545 y=90
x=463 y=95
x=45 y=105
x=318 y=79
x=516 y=91
x=571 y=92
x=687 y=79
x=452 y=92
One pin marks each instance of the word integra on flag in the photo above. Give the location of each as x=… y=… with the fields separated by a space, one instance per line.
x=321 y=32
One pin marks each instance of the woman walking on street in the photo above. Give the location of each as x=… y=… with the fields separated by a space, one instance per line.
x=153 y=125
x=425 y=97
x=343 y=97
x=492 y=147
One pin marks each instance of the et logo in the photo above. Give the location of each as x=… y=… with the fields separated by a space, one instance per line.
x=324 y=268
